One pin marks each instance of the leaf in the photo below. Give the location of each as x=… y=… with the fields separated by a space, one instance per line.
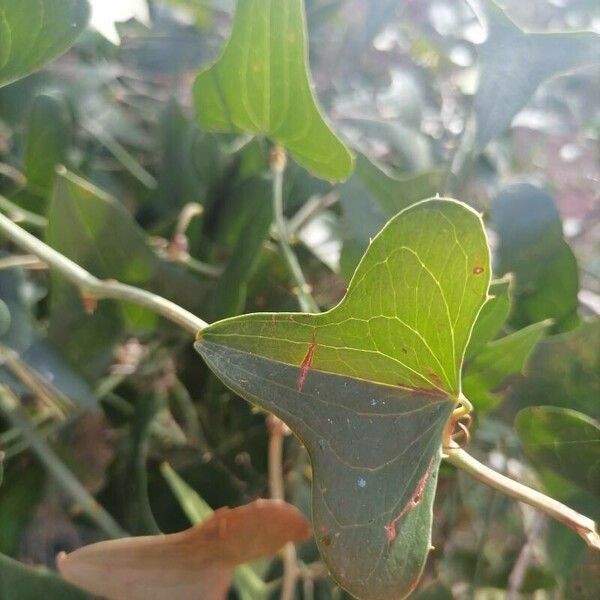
x=196 y=563
x=371 y=197
x=261 y=85
x=564 y=441
x=514 y=63
x=33 y=32
x=563 y=371
x=368 y=388
x=532 y=247
x=497 y=361
x=94 y=230
x=21 y=582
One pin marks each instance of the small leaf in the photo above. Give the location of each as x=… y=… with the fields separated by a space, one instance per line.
x=515 y=63
x=368 y=388
x=196 y=563
x=532 y=247
x=33 y=32
x=497 y=361
x=564 y=441
x=261 y=85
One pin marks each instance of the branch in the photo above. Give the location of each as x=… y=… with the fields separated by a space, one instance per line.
x=584 y=526
x=92 y=287
x=307 y=302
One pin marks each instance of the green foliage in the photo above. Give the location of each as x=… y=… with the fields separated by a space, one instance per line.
x=33 y=32
x=368 y=388
x=260 y=85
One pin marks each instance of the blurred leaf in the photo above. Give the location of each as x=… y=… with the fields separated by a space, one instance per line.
x=21 y=582
x=368 y=388
x=49 y=132
x=94 y=230
x=563 y=440
x=563 y=371
x=33 y=32
x=32 y=350
x=371 y=197
x=196 y=563
x=491 y=318
x=4 y=318
x=514 y=63
x=532 y=247
x=261 y=85
x=435 y=591
x=497 y=361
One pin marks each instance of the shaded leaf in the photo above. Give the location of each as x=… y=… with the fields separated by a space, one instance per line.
x=532 y=247
x=21 y=582
x=94 y=230
x=368 y=388
x=563 y=371
x=497 y=361
x=371 y=197
x=261 y=85
x=33 y=32
x=196 y=563
x=514 y=63
x=564 y=441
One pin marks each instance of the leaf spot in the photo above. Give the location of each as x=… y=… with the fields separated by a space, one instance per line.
x=362 y=482
x=478 y=270
x=305 y=366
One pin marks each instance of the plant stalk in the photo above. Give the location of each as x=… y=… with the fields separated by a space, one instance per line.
x=584 y=526
x=94 y=288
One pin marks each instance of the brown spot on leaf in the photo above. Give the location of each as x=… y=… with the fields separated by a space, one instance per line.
x=305 y=366
x=477 y=270
x=326 y=540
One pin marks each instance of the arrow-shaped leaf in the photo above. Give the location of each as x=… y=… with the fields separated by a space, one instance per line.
x=368 y=387
x=33 y=32
x=261 y=85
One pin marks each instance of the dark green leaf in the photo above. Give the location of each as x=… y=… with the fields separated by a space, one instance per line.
x=564 y=441
x=368 y=387
x=33 y=32
x=261 y=85
x=532 y=247
x=497 y=361
x=515 y=63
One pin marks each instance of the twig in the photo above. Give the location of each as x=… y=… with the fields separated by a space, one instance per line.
x=277 y=431
x=92 y=287
x=9 y=407
x=21 y=215
x=278 y=162
x=23 y=261
x=583 y=525
x=311 y=209
x=521 y=566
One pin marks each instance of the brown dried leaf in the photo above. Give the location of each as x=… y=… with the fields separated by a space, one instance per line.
x=196 y=563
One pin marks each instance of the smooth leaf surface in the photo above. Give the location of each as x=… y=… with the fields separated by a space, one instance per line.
x=196 y=563
x=564 y=441
x=94 y=230
x=33 y=32
x=261 y=85
x=368 y=388
x=514 y=63
x=22 y=582
x=371 y=197
x=497 y=361
x=532 y=247
x=563 y=371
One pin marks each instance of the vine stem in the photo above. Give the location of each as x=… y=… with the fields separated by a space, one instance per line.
x=584 y=526
x=93 y=288
x=278 y=164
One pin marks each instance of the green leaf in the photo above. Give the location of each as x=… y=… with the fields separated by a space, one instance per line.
x=492 y=317
x=563 y=372
x=368 y=388
x=261 y=85
x=532 y=247
x=21 y=582
x=33 y=32
x=94 y=230
x=497 y=361
x=564 y=441
x=371 y=197
x=514 y=63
